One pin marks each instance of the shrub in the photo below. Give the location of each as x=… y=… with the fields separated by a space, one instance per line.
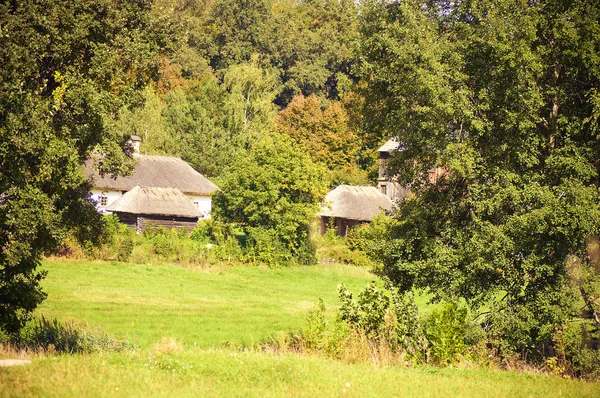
x=229 y=250
x=67 y=338
x=368 y=313
x=576 y=351
x=163 y=245
x=333 y=248
x=212 y=231
x=387 y=316
x=264 y=246
x=314 y=331
x=446 y=330
x=117 y=242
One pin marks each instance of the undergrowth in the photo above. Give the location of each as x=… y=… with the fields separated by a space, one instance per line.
x=383 y=326
x=54 y=337
x=210 y=243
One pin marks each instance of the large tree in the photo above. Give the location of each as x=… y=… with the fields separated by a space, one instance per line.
x=272 y=192
x=504 y=96
x=67 y=68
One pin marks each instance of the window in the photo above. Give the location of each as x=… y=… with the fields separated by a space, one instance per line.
x=103 y=200
x=383 y=189
x=197 y=204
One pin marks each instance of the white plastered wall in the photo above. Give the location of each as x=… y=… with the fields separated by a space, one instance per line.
x=111 y=196
x=204 y=203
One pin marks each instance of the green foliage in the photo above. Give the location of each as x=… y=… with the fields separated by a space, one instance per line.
x=446 y=330
x=266 y=247
x=369 y=239
x=574 y=353
x=333 y=248
x=67 y=68
x=272 y=193
x=67 y=338
x=162 y=244
x=315 y=326
x=118 y=240
x=387 y=317
x=368 y=312
x=484 y=90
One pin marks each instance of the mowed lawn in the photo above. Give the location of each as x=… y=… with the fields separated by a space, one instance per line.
x=202 y=307
x=181 y=319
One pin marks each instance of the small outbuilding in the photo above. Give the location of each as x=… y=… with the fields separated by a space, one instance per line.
x=141 y=207
x=351 y=205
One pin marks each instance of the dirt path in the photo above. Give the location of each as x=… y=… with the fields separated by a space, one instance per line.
x=14 y=362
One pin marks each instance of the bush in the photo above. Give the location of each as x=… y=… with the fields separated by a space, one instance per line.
x=446 y=330
x=67 y=338
x=314 y=331
x=212 y=231
x=164 y=242
x=368 y=239
x=264 y=246
x=576 y=351
x=117 y=241
x=333 y=248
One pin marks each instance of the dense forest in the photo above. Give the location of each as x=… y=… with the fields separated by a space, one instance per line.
x=297 y=95
x=229 y=73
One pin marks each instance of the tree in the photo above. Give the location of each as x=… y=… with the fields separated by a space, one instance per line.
x=67 y=68
x=146 y=121
x=503 y=95
x=325 y=133
x=237 y=29
x=249 y=103
x=272 y=192
x=310 y=43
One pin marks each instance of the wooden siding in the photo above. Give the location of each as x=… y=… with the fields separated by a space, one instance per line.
x=143 y=221
x=128 y=219
x=342 y=225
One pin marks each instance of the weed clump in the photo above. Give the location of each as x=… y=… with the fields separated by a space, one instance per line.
x=54 y=337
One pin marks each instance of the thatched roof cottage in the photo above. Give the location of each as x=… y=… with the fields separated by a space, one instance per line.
x=159 y=207
x=153 y=171
x=352 y=205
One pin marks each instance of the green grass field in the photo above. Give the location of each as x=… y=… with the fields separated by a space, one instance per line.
x=181 y=319
x=205 y=307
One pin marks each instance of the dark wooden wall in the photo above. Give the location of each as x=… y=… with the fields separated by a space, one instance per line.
x=142 y=221
x=342 y=225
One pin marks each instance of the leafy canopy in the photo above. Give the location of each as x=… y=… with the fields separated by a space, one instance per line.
x=67 y=68
x=503 y=95
x=274 y=188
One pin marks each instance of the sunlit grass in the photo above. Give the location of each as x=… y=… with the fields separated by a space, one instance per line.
x=222 y=372
x=205 y=307
x=181 y=318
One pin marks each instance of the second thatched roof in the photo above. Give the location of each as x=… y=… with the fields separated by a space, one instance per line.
x=355 y=203
x=156 y=201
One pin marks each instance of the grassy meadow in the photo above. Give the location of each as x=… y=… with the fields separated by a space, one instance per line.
x=189 y=325
x=197 y=306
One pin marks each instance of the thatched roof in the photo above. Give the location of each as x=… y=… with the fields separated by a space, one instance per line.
x=391 y=145
x=355 y=203
x=155 y=201
x=155 y=171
